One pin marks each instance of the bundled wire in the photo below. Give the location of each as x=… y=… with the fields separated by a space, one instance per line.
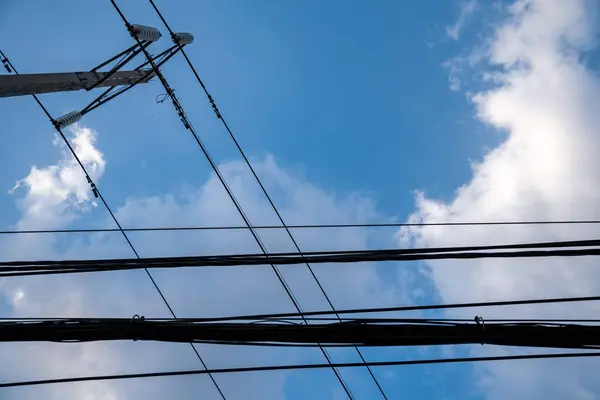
x=524 y=250
x=350 y=333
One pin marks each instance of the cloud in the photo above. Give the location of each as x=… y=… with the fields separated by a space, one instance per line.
x=455 y=68
x=209 y=291
x=466 y=10
x=547 y=168
x=55 y=192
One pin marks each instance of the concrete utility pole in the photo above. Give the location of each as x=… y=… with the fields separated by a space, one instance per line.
x=20 y=85
x=25 y=84
x=33 y=84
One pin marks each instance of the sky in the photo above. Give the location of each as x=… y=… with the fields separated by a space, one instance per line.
x=415 y=111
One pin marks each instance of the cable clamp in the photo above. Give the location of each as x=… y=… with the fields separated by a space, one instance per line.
x=480 y=321
x=93 y=186
x=136 y=317
x=184 y=119
x=214 y=106
x=6 y=65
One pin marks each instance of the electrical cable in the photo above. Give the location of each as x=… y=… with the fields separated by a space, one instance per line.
x=305 y=226
x=187 y=124
x=290 y=320
x=99 y=195
x=262 y=187
x=402 y=251
x=501 y=303
x=23 y=268
x=300 y=367
x=347 y=334
x=282 y=227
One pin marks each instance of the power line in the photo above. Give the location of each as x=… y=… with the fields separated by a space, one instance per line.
x=120 y=229
x=500 y=303
x=187 y=124
x=338 y=334
x=402 y=251
x=262 y=187
x=46 y=267
x=220 y=116
x=98 y=194
x=292 y=320
x=305 y=226
x=300 y=367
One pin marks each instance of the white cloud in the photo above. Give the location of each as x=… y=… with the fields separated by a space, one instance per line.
x=466 y=10
x=54 y=192
x=547 y=168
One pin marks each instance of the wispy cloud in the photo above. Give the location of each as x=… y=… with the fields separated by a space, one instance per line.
x=466 y=10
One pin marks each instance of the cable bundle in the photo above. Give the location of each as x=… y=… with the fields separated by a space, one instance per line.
x=565 y=249
x=415 y=333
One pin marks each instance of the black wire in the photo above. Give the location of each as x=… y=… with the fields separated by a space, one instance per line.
x=187 y=124
x=413 y=333
x=262 y=187
x=299 y=367
x=219 y=115
x=438 y=320
x=503 y=303
x=290 y=320
x=22 y=268
x=402 y=251
x=112 y=92
x=95 y=187
x=306 y=226
x=114 y=218
x=280 y=276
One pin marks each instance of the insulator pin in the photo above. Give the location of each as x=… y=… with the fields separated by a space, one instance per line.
x=143 y=32
x=67 y=119
x=183 y=38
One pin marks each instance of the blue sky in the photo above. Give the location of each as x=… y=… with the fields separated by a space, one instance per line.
x=298 y=80
x=346 y=111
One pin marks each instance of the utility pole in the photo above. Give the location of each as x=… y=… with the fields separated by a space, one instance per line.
x=24 y=84
x=17 y=84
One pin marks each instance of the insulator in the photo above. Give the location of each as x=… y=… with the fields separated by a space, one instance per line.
x=68 y=119
x=148 y=33
x=184 y=38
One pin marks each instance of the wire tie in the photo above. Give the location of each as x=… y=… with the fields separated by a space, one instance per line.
x=161 y=97
x=6 y=65
x=214 y=106
x=480 y=321
x=93 y=186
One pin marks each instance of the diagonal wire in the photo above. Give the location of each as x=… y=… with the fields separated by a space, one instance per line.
x=112 y=215
x=247 y=161
x=187 y=124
